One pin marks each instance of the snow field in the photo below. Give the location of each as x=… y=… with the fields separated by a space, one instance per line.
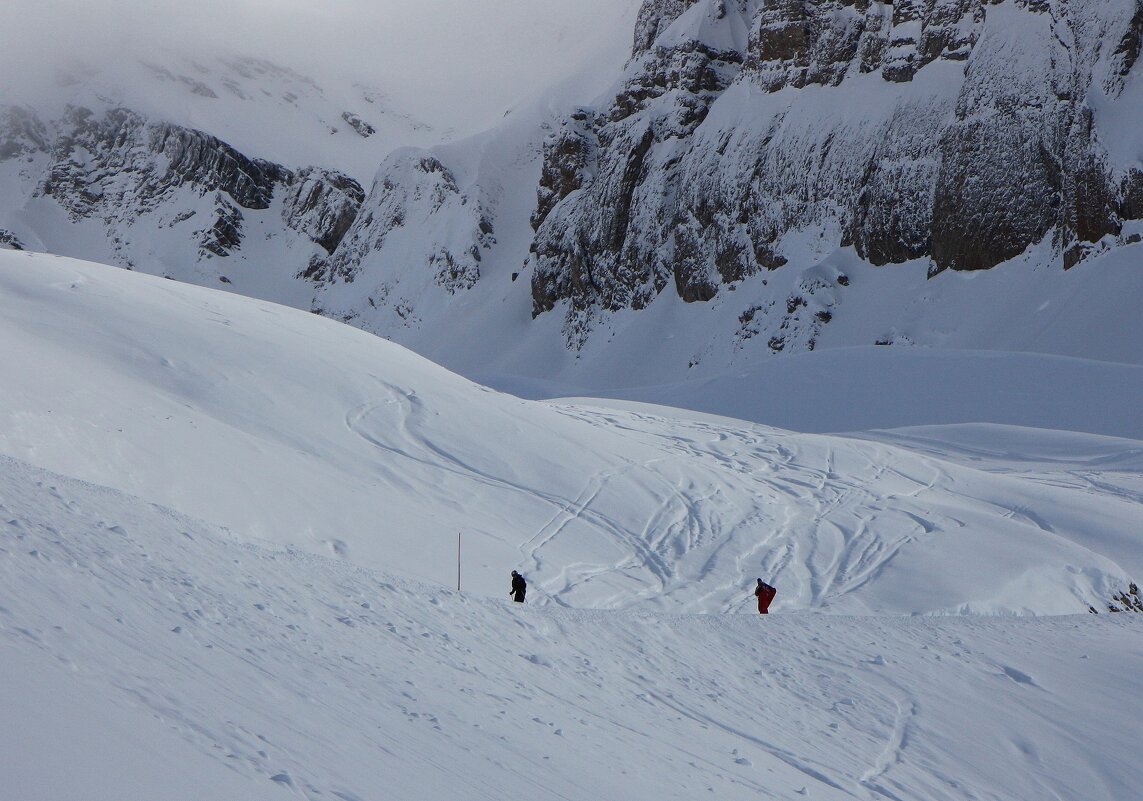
x=227 y=547
x=288 y=428
x=243 y=671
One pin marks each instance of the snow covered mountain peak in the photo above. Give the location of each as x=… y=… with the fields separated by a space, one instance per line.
x=905 y=132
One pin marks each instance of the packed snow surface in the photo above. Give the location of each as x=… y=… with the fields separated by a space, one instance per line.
x=228 y=553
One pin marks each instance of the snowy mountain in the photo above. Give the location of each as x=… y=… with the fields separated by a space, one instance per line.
x=847 y=293
x=760 y=180
x=774 y=179
x=959 y=132
x=236 y=157
x=119 y=188
x=229 y=560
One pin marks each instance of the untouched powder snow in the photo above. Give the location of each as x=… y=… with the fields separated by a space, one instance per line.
x=228 y=540
x=855 y=389
x=959 y=347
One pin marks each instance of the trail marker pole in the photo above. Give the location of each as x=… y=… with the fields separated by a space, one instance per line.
x=458 y=561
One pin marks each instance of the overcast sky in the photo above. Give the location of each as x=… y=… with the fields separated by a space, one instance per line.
x=444 y=52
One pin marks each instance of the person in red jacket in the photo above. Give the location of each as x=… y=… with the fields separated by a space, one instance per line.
x=765 y=595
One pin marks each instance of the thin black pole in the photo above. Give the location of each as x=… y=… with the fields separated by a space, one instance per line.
x=458 y=561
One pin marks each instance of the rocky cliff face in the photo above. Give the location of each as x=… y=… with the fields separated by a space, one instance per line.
x=956 y=131
x=134 y=177
x=753 y=156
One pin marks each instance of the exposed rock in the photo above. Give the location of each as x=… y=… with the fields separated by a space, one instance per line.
x=692 y=75
x=225 y=235
x=803 y=42
x=322 y=204
x=709 y=158
x=364 y=129
x=417 y=210
x=609 y=256
x=654 y=17
x=9 y=241
x=999 y=184
x=135 y=174
x=119 y=165
x=795 y=43
x=1126 y=52
x=1131 y=192
x=569 y=160
x=209 y=163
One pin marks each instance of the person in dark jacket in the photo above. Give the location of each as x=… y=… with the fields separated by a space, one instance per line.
x=519 y=587
x=765 y=594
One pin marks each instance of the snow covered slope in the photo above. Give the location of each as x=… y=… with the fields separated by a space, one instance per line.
x=147 y=655
x=773 y=179
x=227 y=554
x=285 y=427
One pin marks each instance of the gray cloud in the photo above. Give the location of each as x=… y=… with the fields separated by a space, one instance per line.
x=451 y=56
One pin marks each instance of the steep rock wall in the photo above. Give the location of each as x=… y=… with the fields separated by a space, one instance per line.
x=950 y=129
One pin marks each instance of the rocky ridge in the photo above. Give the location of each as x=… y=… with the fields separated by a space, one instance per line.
x=133 y=176
x=417 y=217
x=746 y=142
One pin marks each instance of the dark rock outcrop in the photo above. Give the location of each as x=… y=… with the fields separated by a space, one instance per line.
x=9 y=241
x=569 y=160
x=119 y=162
x=363 y=129
x=225 y=235
x=654 y=18
x=322 y=205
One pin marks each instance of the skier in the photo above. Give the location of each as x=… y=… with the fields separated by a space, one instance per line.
x=519 y=587
x=765 y=595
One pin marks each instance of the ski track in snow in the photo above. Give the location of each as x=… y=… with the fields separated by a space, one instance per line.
x=158 y=630
x=287 y=668
x=601 y=507
x=826 y=513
